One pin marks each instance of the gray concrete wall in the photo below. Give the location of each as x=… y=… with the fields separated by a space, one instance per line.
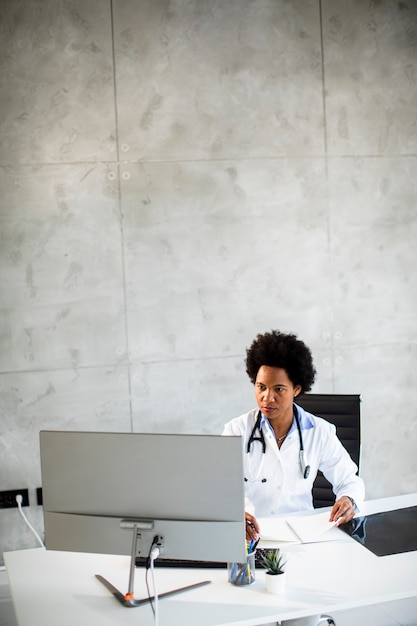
x=177 y=176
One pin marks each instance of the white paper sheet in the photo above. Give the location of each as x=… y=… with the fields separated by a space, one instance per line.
x=296 y=529
x=276 y=529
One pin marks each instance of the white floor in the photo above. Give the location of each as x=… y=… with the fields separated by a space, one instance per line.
x=403 y=613
x=7 y=617
x=399 y=613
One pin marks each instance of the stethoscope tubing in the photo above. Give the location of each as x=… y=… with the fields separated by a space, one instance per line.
x=305 y=468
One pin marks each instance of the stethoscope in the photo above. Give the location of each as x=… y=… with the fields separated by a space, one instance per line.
x=305 y=468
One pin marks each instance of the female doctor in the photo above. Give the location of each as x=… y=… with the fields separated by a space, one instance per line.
x=284 y=445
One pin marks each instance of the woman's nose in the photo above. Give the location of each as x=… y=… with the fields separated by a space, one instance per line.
x=268 y=394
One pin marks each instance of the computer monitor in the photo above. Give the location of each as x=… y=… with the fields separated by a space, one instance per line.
x=186 y=489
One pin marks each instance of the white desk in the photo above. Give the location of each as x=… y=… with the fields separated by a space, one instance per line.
x=60 y=587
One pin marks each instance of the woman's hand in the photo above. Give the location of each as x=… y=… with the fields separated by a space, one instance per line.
x=342 y=511
x=252 y=527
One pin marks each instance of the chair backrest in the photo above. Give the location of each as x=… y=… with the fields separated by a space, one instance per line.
x=344 y=412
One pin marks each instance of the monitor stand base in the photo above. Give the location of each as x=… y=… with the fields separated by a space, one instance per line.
x=128 y=601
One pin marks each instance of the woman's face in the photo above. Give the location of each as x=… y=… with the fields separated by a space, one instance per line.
x=275 y=393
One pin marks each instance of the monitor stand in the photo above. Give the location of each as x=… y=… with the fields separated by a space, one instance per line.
x=128 y=599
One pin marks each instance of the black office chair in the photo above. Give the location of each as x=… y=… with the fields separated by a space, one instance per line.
x=344 y=412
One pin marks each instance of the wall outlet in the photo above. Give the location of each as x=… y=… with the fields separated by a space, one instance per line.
x=8 y=498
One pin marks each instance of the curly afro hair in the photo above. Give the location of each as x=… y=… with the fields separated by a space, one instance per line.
x=276 y=349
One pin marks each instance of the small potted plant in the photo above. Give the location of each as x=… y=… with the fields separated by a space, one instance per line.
x=274 y=563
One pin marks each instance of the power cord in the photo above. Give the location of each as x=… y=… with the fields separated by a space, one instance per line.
x=19 y=500
x=153 y=554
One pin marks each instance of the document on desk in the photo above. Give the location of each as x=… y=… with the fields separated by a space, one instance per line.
x=297 y=528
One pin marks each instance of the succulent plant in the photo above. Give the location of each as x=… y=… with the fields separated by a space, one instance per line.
x=273 y=561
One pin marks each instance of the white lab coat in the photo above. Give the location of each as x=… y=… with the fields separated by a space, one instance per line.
x=285 y=490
